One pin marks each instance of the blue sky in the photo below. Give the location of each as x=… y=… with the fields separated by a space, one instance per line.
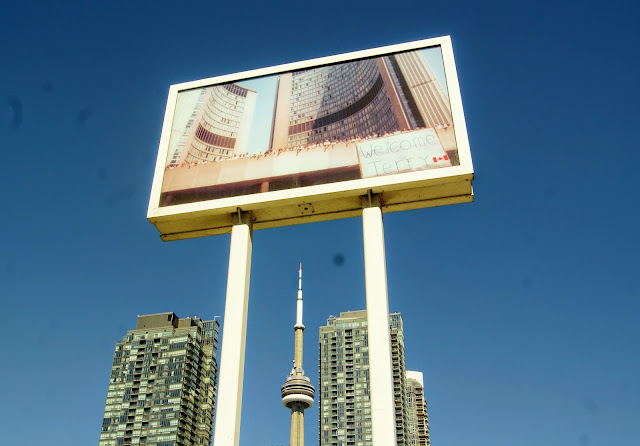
x=520 y=308
x=265 y=102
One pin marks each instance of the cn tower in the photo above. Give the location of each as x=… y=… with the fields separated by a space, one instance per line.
x=297 y=391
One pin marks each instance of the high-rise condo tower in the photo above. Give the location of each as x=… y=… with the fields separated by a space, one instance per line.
x=162 y=386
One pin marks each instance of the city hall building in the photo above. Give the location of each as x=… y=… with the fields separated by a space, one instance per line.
x=358 y=99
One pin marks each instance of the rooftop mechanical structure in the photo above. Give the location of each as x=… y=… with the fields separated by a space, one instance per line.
x=297 y=391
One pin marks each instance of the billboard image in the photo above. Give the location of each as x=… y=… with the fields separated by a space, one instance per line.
x=352 y=122
x=345 y=121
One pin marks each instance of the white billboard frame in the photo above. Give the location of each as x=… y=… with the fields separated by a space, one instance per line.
x=400 y=191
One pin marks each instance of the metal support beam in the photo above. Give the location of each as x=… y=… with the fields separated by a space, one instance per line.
x=234 y=334
x=383 y=423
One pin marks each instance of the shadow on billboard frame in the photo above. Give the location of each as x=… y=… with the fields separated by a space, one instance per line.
x=303 y=142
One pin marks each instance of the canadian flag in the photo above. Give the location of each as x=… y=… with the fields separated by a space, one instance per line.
x=441 y=158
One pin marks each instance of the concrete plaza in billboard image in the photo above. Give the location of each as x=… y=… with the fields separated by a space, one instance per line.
x=346 y=121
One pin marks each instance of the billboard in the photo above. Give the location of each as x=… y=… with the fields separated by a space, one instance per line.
x=302 y=142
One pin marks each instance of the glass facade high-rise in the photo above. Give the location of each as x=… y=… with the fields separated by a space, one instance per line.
x=163 y=381
x=344 y=399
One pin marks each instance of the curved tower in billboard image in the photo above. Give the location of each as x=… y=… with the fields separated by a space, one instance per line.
x=334 y=102
x=297 y=391
x=218 y=127
x=364 y=98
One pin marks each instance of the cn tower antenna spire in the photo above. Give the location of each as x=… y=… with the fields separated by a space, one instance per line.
x=297 y=391
x=299 y=306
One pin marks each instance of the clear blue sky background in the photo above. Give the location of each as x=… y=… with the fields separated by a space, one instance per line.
x=521 y=309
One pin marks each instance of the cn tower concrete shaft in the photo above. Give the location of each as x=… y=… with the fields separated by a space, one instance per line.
x=297 y=391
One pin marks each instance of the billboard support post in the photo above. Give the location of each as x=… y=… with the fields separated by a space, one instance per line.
x=234 y=333
x=383 y=424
